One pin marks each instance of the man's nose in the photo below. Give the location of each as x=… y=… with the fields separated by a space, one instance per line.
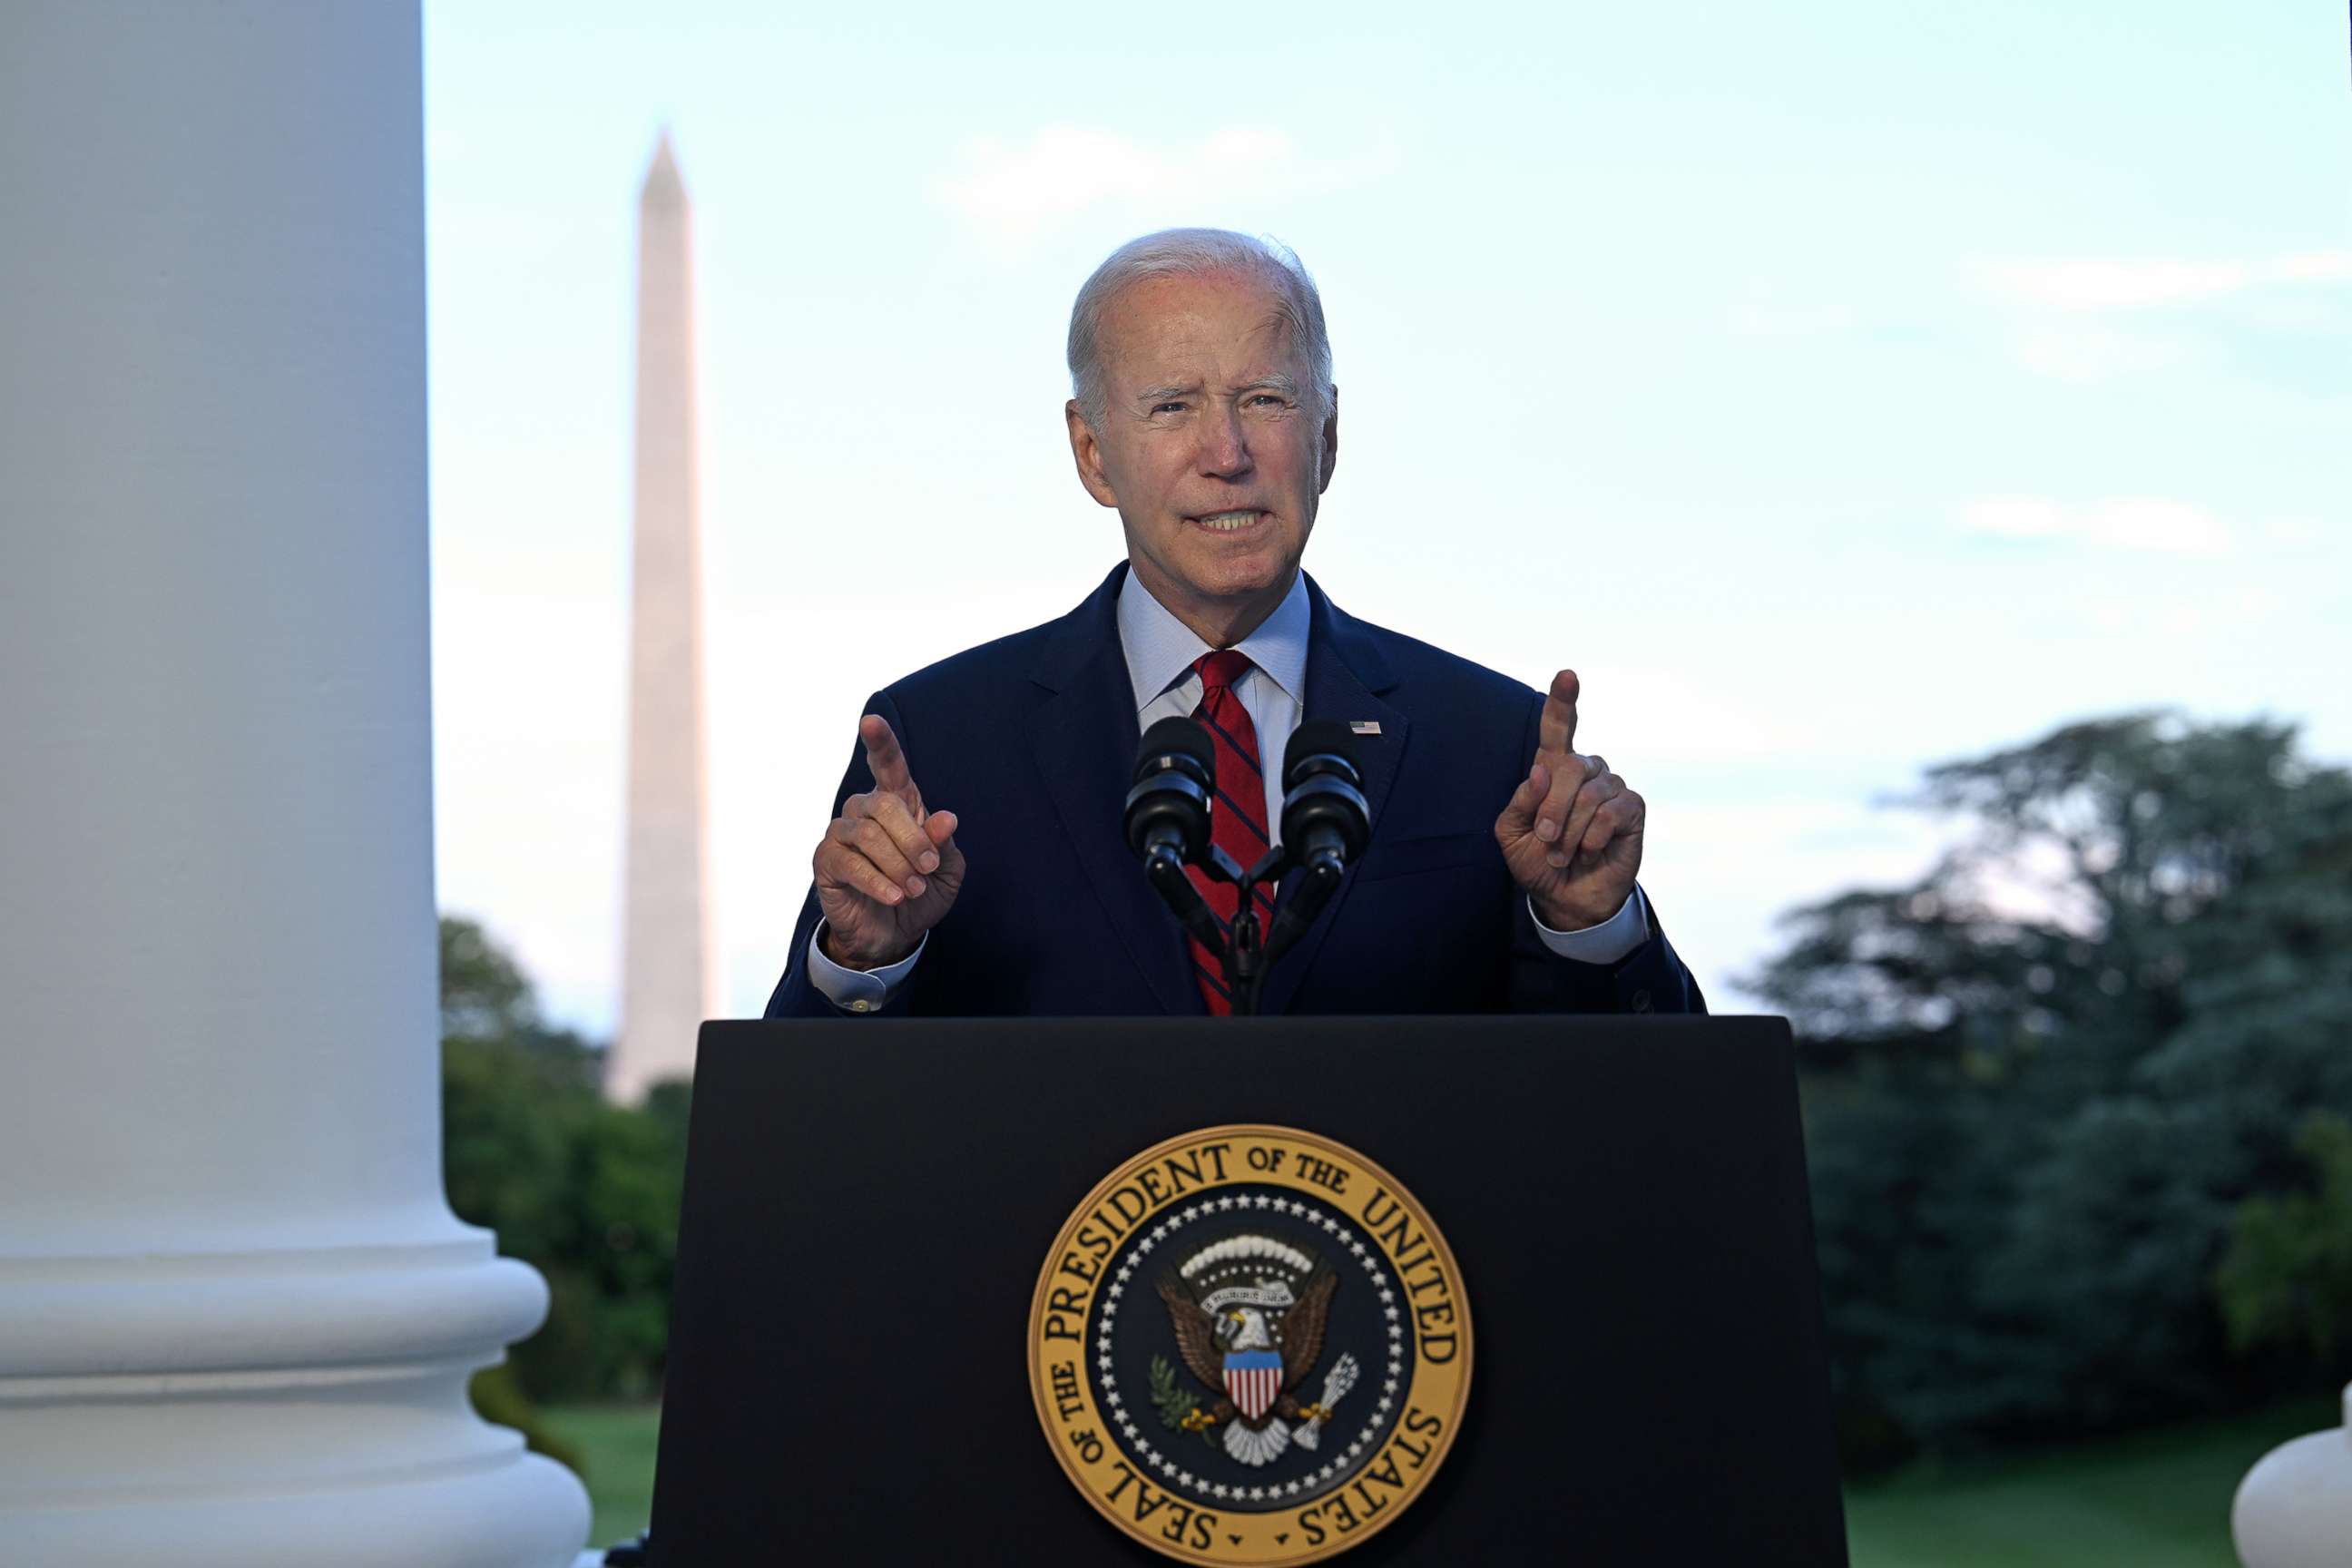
x=1225 y=449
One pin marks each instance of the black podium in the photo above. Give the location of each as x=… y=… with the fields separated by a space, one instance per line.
x=869 y=1205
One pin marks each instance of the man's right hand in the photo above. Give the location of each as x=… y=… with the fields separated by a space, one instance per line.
x=886 y=870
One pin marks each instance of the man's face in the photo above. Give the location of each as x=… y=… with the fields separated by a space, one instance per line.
x=1213 y=445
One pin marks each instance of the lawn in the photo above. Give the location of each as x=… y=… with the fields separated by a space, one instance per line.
x=616 y=1443
x=2156 y=1500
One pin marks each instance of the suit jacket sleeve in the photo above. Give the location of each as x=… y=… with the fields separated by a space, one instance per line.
x=1650 y=979
x=794 y=996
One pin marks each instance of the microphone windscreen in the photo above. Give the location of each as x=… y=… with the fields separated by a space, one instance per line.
x=1180 y=736
x=1318 y=737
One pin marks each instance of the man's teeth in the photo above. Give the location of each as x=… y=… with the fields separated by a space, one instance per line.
x=1227 y=521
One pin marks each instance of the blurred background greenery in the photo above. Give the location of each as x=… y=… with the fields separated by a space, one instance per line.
x=2078 y=1115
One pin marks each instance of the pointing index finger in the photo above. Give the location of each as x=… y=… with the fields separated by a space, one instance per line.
x=1557 y=730
x=883 y=757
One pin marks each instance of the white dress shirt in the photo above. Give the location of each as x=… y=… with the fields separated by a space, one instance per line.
x=1160 y=652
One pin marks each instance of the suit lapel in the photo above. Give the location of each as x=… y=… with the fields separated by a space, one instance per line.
x=1345 y=674
x=1083 y=735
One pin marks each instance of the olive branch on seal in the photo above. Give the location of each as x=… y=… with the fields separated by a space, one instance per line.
x=1173 y=1403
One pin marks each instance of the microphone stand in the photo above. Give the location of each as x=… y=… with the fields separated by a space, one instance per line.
x=1251 y=950
x=1243 y=952
x=1322 y=881
x=1168 y=826
x=1247 y=949
x=1247 y=955
x=1163 y=867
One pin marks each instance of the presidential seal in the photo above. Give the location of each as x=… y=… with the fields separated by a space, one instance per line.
x=1249 y=1345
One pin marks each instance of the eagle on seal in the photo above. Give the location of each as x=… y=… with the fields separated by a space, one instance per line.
x=1249 y=1314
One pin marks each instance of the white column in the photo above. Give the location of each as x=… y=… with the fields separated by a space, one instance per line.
x=665 y=987
x=2293 y=1509
x=237 y=1316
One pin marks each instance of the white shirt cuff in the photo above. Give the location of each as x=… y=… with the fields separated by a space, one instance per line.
x=1607 y=942
x=857 y=990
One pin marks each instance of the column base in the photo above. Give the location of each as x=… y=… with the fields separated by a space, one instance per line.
x=294 y=1409
x=520 y=1510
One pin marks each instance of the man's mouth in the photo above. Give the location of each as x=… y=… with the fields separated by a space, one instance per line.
x=1228 y=522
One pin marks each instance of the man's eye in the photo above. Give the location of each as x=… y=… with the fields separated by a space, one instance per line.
x=1267 y=399
x=1168 y=408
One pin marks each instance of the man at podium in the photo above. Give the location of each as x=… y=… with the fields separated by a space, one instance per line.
x=1499 y=872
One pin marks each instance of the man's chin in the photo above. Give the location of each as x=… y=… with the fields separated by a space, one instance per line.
x=1243 y=588
x=1241 y=573
x=1232 y=584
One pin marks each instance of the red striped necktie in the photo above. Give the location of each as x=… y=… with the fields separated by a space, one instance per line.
x=1237 y=823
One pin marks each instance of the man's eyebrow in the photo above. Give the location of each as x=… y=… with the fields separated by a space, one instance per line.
x=1273 y=380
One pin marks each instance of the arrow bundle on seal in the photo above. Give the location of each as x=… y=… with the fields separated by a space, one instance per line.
x=1336 y=1384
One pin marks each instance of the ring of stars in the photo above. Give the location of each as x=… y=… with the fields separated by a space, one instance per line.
x=1341 y=1239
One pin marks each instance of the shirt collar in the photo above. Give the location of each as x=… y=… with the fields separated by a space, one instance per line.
x=1159 y=649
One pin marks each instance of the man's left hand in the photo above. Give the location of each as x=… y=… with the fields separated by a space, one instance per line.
x=1571 y=832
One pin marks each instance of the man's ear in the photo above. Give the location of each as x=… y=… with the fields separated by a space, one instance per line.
x=1331 y=442
x=1087 y=452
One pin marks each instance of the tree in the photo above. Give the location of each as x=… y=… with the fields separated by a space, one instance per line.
x=2040 y=1081
x=586 y=1192
x=2287 y=1276
x=484 y=995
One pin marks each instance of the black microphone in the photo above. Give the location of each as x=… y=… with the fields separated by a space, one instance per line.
x=1324 y=821
x=1325 y=818
x=1168 y=818
x=1168 y=808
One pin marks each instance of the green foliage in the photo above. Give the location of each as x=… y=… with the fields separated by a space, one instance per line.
x=498 y=1397
x=2041 y=1081
x=2287 y=1276
x=585 y=1192
x=1173 y=1403
x=484 y=995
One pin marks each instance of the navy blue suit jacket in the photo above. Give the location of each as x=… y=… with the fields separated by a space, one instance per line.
x=1031 y=738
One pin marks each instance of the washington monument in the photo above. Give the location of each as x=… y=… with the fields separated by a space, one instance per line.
x=666 y=985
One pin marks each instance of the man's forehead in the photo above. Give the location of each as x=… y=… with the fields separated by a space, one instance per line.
x=1214 y=324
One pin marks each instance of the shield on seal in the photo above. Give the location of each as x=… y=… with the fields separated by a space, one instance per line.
x=1254 y=1380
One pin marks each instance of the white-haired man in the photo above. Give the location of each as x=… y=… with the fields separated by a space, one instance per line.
x=1500 y=870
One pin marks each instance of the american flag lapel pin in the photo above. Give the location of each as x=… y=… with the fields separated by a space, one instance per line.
x=1364 y=726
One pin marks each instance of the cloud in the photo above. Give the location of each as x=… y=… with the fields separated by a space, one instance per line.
x=2100 y=284
x=2086 y=353
x=1014 y=189
x=1754 y=318
x=2138 y=523
x=2085 y=319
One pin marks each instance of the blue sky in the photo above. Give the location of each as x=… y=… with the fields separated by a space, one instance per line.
x=1838 y=388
